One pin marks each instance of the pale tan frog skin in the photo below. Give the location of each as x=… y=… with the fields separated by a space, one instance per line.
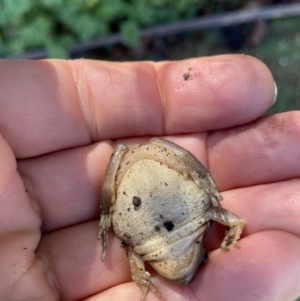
x=160 y=200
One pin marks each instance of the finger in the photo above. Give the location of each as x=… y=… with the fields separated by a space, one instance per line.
x=19 y=236
x=66 y=185
x=265 y=207
x=264 y=151
x=39 y=107
x=218 y=93
x=72 y=262
x=264 y=269
x=66 y=104
x=125 y=291
x=273 y=206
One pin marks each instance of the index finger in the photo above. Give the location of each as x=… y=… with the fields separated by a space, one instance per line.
x=51 y=105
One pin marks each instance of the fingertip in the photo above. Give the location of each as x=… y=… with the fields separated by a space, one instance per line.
x=260 y=265
x=261 y=82
x=275 y=94
x=220 y=91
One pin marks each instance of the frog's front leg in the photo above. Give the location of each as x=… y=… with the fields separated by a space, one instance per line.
x=140 y=275
x=108 y=195
x=234 y=223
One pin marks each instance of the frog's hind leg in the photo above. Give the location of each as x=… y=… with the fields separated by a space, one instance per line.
x=140 y=275
x=235 y=225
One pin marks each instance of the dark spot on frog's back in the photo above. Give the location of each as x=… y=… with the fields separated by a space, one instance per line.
x=157 y=228
x=137 y=202
x=169 y=225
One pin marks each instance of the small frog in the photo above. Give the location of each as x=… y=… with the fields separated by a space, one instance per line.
x=160 y=201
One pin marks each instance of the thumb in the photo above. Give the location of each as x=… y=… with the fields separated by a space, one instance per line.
x=21 y=276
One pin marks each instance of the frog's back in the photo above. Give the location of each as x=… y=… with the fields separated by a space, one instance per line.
x=153 y=200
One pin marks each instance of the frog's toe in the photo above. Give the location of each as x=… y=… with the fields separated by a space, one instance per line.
x=145 y=284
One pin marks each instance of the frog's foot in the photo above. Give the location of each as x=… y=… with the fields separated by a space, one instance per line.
x=141 y=276
x=233 y=234
x=104 y=225
x=234 y=223
x=145 y=284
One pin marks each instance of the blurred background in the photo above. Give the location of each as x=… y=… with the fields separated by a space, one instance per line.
x=122 y=30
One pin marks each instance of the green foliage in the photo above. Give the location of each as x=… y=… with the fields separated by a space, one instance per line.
x=130 y=33
x=56 y=24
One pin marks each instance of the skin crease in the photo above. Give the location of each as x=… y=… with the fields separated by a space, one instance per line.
x=59 y=122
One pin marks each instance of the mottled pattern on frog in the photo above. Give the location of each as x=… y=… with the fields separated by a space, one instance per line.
x=160 y=201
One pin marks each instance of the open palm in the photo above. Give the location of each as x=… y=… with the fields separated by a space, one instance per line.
x=59 y=122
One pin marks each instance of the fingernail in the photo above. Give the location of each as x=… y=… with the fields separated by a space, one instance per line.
x=275 y=94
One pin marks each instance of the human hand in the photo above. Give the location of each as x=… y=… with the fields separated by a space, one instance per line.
x=61 y=120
